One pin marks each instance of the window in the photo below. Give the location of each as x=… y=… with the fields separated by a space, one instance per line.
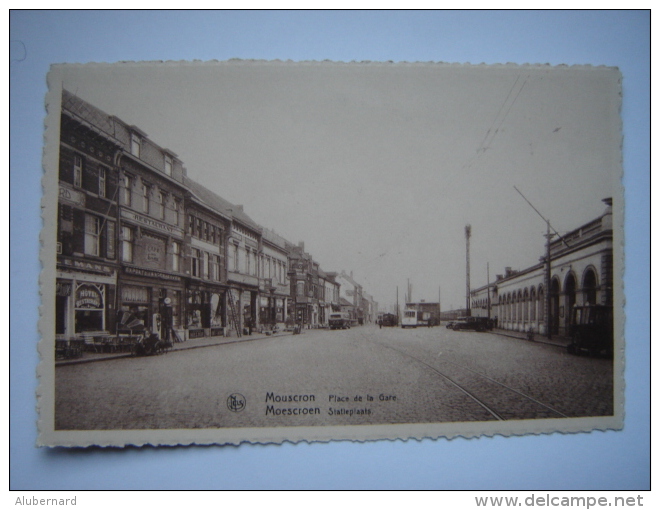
x=127 y=190
x=176 y=207
x=136 y=142
x=198 y=228
x=207 y=266
x=216 y=268
x=102 y=177
x=168 y=165
x=248 y=255
x=195 y=262
x=77 y=171
x=127 y=239
x=92 y=235
x=160 y=202
x=145 y=198
x=191 y=225
x=176 y=256
x=235 y=258
x=300 y=288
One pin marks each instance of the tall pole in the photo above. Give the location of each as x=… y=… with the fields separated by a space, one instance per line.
x=468 y=233
x=488 y=287
x=548 y=270
x=548 y=274
x=439 y=305
x=397 y=304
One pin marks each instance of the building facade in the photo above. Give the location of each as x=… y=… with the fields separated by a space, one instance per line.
x=581 y=272
x=87 y=221
x=274 y=286
x=351 y=293
x=208 y=224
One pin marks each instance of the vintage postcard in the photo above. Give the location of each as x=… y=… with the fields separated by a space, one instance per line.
x=250 y=251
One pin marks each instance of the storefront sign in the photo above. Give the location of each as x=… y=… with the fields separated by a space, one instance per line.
x=151 y=274
x=86 y=266
x=159 y=225
x=154 y=251
x=71 y=196
x=63 y=289
x=89 y=296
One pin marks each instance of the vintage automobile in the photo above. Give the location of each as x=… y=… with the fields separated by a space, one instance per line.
x=591 y=330
x=470 y=323
x=339 y=320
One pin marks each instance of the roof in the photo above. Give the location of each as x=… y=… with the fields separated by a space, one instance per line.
x=219 y=204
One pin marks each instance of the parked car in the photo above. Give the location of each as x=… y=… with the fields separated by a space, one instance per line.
x=459 y=323
x=591 y=330
x=339 y=320
x=471 y=324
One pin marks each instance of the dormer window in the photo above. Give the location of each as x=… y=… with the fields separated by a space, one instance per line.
x=168 y=165
x=136 y=143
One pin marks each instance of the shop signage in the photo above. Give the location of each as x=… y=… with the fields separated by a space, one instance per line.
x=72 y=196
x=86 y=266
x=63 y=289
x=154 y=251
x=158 y=225
x=89 y=296
x=151 y=274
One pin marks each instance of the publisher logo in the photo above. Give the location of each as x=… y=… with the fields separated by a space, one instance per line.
x=236 y=402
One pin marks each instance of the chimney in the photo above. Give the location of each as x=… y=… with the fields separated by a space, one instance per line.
x=507 y=271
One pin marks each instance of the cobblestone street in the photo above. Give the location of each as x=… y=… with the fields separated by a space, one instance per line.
x=364 y=375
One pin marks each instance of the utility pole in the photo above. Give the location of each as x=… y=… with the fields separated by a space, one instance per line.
x=439 y=305
x=488 y=287
x=468 y=233
x=548 y=266
x=397 y=305
x=548 y=273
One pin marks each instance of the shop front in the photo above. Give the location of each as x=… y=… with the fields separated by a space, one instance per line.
x=150 y=300
x=205 y=311
x=84 y=299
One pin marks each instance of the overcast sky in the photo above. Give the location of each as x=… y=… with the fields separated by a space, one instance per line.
x=379 y=167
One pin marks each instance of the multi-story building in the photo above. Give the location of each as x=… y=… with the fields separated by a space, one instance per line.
x=208 y=224
x=243 y=268
x=87 y=220
x=581 y=272
x=151 y=231
x=301 y=276
x=274 y=286
x=329 y=297
x=351 y=292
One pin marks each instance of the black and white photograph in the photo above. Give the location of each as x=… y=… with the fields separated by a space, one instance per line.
x=272 y=251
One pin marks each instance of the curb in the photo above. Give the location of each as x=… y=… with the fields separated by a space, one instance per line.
x=182 y=348
x=544 y=342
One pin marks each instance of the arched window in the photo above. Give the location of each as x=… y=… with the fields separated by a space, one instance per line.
x=532 y=305
x=590 y=286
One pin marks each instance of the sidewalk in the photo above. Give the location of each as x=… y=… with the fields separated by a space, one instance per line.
x=556 y=340
x=196 y=343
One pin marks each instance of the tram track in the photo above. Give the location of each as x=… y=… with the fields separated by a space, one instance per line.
x=498 y=399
